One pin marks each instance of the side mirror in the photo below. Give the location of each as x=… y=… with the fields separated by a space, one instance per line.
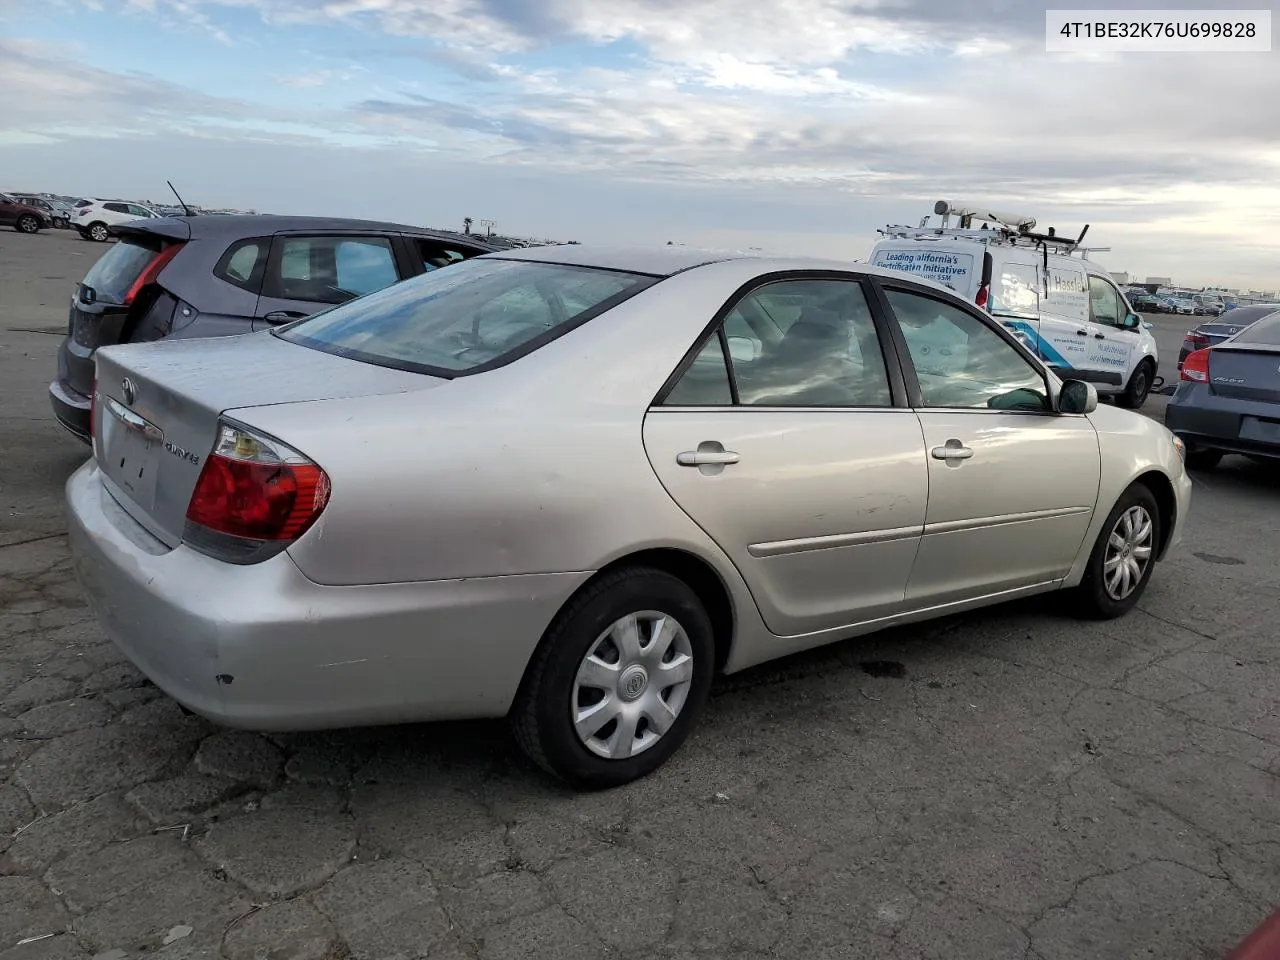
x=1077 y=397
x=742 y=348
x=1132 y=321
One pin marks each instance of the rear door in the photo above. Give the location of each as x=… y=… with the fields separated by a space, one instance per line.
x=8 y=211
x=1065 y=325
x=306 y=273
x=785 y=438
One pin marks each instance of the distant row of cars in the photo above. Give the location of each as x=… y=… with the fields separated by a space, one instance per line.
x=1189 y=304
x=92 y=218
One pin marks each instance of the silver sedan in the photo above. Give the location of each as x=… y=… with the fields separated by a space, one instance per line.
x=568 y=486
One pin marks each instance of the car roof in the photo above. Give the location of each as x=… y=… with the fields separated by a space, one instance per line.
x=230 y=226
x=669 y=260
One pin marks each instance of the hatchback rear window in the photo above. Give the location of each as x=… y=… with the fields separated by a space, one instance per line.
x=112 y=276
x=476 y=315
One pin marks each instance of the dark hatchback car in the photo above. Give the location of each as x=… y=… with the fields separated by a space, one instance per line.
x=1228 y=397
x=1227 y=325
x=221 y=275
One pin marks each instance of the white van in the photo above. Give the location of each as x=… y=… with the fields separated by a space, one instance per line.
x=1063 y=306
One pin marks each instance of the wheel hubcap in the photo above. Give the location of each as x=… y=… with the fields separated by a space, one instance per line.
x=632 y=685
x=1128 y=553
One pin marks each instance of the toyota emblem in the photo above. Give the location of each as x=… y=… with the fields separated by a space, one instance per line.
x=127 y=391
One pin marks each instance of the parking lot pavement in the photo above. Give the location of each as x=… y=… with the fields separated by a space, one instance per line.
x=1011 y=783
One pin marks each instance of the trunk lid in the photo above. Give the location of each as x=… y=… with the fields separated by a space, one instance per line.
x=1246 y=372
x=159 y=404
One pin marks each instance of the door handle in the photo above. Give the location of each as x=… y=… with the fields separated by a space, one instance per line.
x=1099 y=336
x=283 y=316
x=1082 y=333
x=706 y=458
x=951 y=450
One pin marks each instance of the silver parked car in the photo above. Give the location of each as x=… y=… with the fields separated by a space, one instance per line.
x=568 y=486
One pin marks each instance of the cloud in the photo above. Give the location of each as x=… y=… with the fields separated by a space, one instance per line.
x=835 y=105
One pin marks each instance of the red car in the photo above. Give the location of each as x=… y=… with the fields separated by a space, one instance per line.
x=22 y=217
x=1262 y=944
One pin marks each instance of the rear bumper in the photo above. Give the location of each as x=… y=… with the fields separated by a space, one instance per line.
x=1206 y=421
x=71 y=409
x=265 y=648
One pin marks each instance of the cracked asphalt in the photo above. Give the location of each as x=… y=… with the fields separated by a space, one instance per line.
x=1007 y=784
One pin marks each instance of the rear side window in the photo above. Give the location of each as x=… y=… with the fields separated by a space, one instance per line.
x=112 y=276
x=477 y=314
x=244 y=263
x=331 y=269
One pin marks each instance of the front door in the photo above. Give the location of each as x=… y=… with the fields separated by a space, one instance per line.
x=782 y=441
x=1112 y=346
x=8 y=212
x=307 y=273
x=1012 y=485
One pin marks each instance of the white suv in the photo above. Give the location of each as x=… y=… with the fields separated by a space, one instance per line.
x=95 y=218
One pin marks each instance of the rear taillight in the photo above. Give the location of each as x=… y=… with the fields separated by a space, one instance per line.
x=93 y=408
x=253 y=492
x=82 y=213
x=981 y=298
x=1196 y=366
x=151 y=271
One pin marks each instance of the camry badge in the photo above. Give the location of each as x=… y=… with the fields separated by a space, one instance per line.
x=128 y=391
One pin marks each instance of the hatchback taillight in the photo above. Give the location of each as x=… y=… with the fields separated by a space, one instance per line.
x=151 y=271
x=254 y=496
x=1196 y=366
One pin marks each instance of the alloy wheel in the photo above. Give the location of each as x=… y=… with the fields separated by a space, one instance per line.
x=98 y=232
x=632 y=685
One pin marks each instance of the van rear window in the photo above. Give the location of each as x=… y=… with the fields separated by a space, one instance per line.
x=952 y=269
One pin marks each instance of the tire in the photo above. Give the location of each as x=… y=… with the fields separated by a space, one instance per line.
x=542 y=715
x=27 y=224
x=1093 y=599
x=98 y=232
x=1139 y=388
x=1199 y=458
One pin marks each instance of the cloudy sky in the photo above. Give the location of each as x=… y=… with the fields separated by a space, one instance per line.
x=791 y=125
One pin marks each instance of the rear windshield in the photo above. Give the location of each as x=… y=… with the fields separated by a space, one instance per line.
x=1244 y=315
x=114 y=273
x=466 y=317
x=1265 y=332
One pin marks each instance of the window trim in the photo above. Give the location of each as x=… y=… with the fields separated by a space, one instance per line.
x=898 y=392
x=914 y=394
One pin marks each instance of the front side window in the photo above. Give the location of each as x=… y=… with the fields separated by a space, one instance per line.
x=1106 y=303
x=794 y=343
x=116 y=207
x=436 y=255
x=960 y=361
x=475 y=314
